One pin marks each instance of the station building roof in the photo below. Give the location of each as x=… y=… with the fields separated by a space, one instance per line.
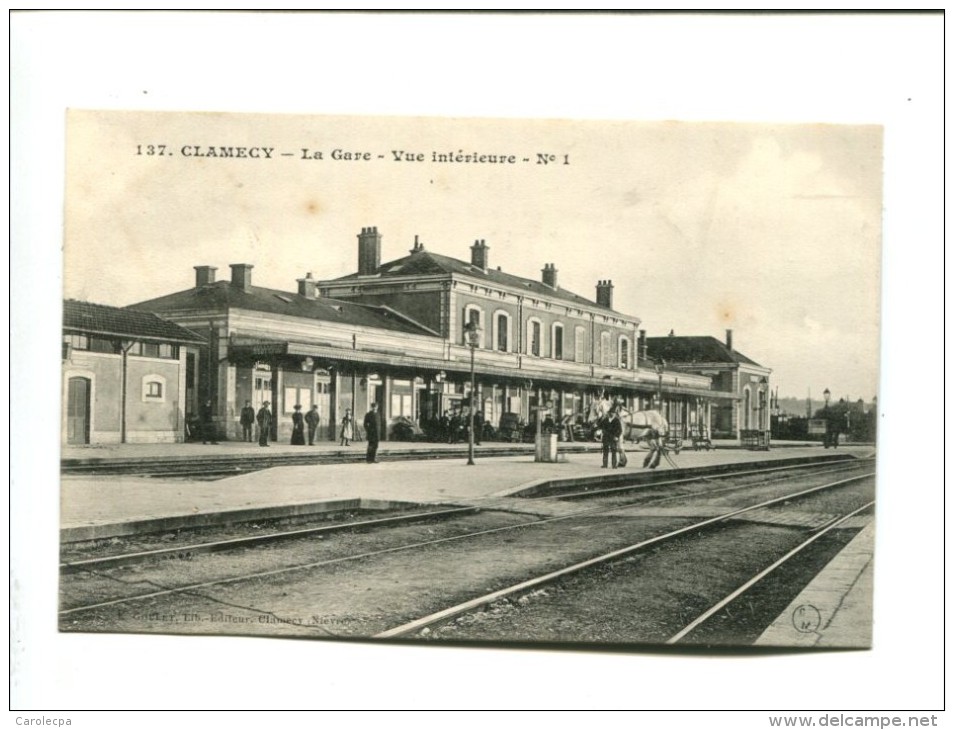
x=224 y=294
x=428 y=263
x=694 y=349
x=101 y=319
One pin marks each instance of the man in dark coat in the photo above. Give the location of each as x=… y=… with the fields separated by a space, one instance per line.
x=264 y=419
x=612 y=431
x=208 y=428
x=247 y=419
x=312 y=419
x=372 y=433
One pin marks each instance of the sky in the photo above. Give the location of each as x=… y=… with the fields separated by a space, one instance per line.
x=771 y=230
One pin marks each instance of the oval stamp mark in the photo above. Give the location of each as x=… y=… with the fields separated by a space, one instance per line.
x=806 y=619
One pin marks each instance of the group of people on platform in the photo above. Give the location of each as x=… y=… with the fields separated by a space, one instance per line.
x=454 y=425
x=248 y=418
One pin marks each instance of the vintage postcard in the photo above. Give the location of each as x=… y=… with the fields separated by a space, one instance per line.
x=525 y=382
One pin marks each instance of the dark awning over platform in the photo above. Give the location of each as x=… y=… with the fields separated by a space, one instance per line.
x=365 y=359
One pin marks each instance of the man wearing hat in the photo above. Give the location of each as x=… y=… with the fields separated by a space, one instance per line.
x=264 y=419
x=372 y=432
x=312 y=418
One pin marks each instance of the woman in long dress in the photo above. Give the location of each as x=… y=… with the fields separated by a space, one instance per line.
x=347 y=428
x=298 y=427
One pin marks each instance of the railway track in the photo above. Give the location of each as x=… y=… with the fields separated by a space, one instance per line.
x=524 y=587
x=157 y=590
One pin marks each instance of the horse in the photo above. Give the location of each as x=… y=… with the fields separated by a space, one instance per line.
x=649 y=426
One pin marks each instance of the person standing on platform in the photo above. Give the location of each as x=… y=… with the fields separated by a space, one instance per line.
x=455 y=427
x=347 y=428
x=264 y=419
x=371 y=430
x=612 y=431
x=312 y=418
x=478 y=426
x=298 y=427
x=208 y=428
x=247 y=419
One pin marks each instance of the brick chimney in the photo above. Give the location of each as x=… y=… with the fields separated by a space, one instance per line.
x=728 y=339
x=550 y=275
x=241 y=276
x=307 y=287
x=643 y=346
x=204 y=275
x=478 y=254
x=418 y=246
x=369 y=251
x=604 y=293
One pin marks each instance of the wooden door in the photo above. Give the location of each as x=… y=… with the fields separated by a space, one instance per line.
x=77 y=411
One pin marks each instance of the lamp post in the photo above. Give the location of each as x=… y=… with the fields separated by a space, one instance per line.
x=827 y=395
x=473 y=339
x=659 y=367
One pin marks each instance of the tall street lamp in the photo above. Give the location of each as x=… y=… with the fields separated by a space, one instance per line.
x=659 y=367
x=472 y=330
x=827 y=395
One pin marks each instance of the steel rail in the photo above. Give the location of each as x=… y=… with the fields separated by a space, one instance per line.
x=762 y=574
x=218 y=545
x=820 y=467
x=452 y=611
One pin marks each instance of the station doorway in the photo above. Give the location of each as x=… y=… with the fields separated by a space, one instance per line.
x=77 y=411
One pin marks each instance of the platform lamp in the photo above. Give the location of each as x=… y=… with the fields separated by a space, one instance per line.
x=826 y=394
x=659 y=367
x=472 y=331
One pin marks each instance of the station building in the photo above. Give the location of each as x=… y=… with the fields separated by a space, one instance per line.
x=125 y=376
x=744 y=415
x=396 y=334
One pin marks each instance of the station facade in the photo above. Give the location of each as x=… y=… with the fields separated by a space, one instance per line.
x=395 y=334
x=125 y=376
x=744 y=416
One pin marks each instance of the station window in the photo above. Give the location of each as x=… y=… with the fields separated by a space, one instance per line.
x=503 y=332
x=624 y=353
x=535 y=338
x=153 y=388
x=557 y=345
x=605 y=349
x=472 y=315
x=77 y=342
x=101 y=344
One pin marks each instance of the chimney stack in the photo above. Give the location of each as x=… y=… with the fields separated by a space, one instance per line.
x=369 y=251
x=307 y=287
x=418 y=246
x=550 y=275
x=728 y=339
x=643 y=346
x=204 y=275
x=241 y=276
x=478 y=254
x=604 y=293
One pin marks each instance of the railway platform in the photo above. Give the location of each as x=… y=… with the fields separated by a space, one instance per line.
x=95 y=507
